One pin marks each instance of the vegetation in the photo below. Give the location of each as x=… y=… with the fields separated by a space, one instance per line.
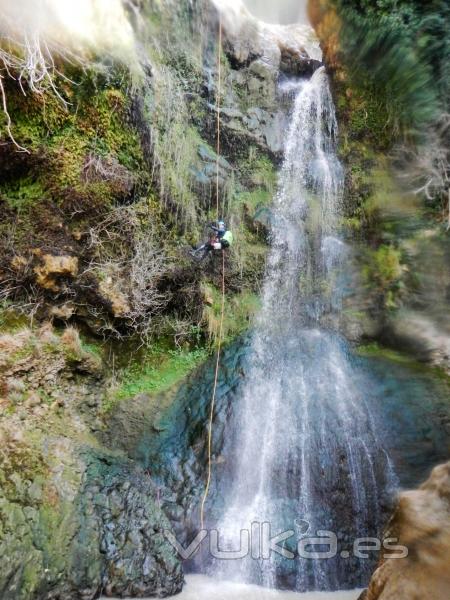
x=158 y=371
x=384 y=270
x=397 y=53
x=399 y=49
x=238 y=313
x=119 y=178
x=378 y=351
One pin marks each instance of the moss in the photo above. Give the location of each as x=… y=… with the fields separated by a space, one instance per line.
x=95 y=348
x=28 y=349
x=384 y=270
x=99 y=126
x=386 y=265
x=176 y=145
x=249 y=254
x=351 y=223
x=410 y=42
x=239 y=312
x=367 y=118
x=61 y=201
x=11 y=320
x=253 y=200
x=258 y=171
x=156 y=372
x=31 y=579
x=23 y=193
x=20 y=464
x=377 y=351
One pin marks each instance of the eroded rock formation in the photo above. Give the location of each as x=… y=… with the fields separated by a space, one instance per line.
x=421 y=523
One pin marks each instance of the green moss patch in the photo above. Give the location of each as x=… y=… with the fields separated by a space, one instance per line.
x=159 y=371
x=239 y=312
x=377 y=351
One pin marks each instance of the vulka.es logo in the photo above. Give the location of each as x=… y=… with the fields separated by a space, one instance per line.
x=258 y=543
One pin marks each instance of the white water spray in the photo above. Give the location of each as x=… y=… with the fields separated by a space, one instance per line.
x=304 y=452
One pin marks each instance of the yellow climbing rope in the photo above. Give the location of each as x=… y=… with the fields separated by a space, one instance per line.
x=213 y=400
x=222 y=315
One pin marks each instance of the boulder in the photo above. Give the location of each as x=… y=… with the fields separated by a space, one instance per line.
x=260 y=55
x=420 y=335
x=53 y=268
x=421 y=523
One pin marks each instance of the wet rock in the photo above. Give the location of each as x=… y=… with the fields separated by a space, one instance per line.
x=259 y=56
x=167 y=435
x=204 y=172
x=101 y=530
x=421 y=336
x=138 y=560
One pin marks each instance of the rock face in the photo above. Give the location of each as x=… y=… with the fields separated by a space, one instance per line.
x=421 y=523
x=101 y=531
x=413 y=412
x=122 y=518
x=166 y=435
x=84 y=499
x=75 y=520
x=421 y=336
x=79 y=518
x=260 y=56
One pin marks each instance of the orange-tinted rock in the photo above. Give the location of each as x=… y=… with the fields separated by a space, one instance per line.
x=52 y=268
x=422 y=524
x=327 y=25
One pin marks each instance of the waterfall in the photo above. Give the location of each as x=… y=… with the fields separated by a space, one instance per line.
x=304 y=454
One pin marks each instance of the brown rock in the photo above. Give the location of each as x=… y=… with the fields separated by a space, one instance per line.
x=421 y=523
x=119 y=302
x=54 y=267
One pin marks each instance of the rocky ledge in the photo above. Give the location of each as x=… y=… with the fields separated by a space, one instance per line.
x=421 y=523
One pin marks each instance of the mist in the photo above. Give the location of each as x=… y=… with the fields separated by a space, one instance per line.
x=283 y=12
x=100 y=25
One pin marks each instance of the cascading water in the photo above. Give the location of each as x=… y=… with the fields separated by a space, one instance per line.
x=304 y=456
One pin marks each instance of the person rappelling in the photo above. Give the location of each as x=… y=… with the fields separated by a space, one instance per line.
x=221 y=238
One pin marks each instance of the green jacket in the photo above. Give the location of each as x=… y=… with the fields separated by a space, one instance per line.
x=228 y=237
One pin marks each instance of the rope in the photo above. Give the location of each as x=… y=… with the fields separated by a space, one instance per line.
x=222 y=314
x=213 y=400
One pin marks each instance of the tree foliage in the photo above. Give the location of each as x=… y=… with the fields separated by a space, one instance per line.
x=400 y=48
